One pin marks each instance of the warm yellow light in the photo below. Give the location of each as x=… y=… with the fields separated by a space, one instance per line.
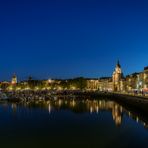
x=10 y=88
x=49 y=108
x=27 y=88
x=18 y=88
x=36 y=88
x=59 y=88
x=49 y=81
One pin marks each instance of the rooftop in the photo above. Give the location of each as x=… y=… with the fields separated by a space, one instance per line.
x=146 y=68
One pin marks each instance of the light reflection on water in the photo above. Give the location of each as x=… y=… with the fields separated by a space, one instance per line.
x=61 y=119
x=82 y=106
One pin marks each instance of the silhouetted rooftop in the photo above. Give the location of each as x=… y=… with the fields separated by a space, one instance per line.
x=146 y=68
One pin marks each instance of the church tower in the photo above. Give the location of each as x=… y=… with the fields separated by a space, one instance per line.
x=117 y=77
x=14 y=80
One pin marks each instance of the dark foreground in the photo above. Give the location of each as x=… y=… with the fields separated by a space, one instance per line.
x=74 y=123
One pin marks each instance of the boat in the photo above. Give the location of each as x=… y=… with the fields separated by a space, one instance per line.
x=3 y=96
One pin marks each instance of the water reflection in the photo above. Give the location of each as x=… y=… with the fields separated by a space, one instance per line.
x=85 y=106
x=49 y=108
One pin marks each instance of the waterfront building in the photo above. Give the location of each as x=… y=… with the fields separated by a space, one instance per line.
x=132 y=82
x=114 y=83
x=105 y=84
x=4 y=85
x=93 y=84
x=137 y=82
x=145 y=79
x=101 y=84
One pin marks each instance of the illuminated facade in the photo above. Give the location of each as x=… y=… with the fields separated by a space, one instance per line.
x=102 y=84
x=117 y=78
x=114 y=83
x=145 y=79
x=137 y=82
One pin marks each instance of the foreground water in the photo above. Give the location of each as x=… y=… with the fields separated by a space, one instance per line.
x=71 y=123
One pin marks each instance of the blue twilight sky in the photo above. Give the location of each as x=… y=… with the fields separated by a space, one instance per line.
x=70 y=38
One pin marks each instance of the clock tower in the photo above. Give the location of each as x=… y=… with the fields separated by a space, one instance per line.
x=117 y=77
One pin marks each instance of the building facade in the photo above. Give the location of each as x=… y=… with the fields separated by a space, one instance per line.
x=136 y=82
x=114 y=83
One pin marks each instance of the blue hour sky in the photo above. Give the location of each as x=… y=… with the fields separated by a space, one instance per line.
x=71 y=38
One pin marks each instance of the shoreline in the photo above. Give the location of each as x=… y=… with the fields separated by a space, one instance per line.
x=139 y=102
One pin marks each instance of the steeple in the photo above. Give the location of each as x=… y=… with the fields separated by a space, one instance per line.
x=117 y=77
x=14 y=79
x=118 y=64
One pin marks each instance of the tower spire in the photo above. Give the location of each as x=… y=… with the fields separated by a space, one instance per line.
x=118 y=64
x=14 y=79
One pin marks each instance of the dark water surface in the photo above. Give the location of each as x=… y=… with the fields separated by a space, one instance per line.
x=71 y=124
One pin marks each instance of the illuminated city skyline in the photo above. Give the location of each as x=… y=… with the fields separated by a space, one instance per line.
x=74 y=73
